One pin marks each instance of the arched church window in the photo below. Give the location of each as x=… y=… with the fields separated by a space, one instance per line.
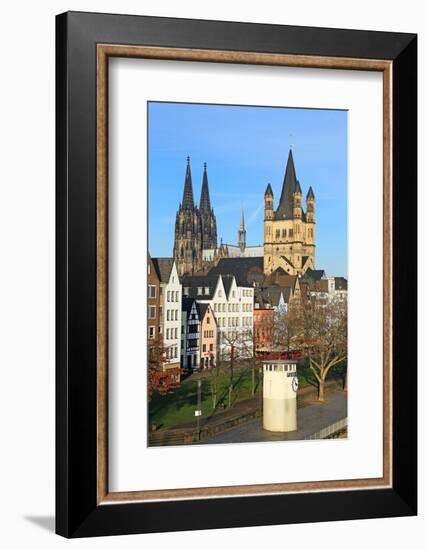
x=284 y=233
x=277 y=234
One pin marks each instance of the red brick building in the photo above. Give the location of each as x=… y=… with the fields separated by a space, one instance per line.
x=152 y=301
x=263 y=329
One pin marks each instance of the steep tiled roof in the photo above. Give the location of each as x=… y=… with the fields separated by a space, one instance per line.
x=200 y=281
x=163 y=268
x=202 y=309
x=187 y=304
x=245 y=270
x=227 y=283
x=340 y=283
x=270 y=296
x=313 y=275
x=280 y=278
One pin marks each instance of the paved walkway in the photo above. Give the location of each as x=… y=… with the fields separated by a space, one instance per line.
x=310 y=419
x=306 y=396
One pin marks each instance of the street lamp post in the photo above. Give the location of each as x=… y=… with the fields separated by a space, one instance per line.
x=198 y=412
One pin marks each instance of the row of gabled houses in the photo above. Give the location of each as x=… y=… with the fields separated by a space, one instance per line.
x=202 y=319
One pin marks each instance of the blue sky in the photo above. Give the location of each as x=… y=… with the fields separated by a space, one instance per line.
x=245 y=148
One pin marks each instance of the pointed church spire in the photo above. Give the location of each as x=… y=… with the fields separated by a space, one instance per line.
x=242 y=234
x=310 y=194
x=268 y=191
x=205 y=203
x=188 y=203
x=285 y=207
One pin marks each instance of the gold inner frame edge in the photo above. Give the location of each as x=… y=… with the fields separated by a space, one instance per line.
x=104 y=51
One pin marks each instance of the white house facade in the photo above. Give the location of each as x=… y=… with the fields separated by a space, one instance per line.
x=232 y=306
x=170 y=309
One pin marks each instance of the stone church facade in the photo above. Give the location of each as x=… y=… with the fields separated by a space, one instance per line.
x=289 y=231
x=195 y=228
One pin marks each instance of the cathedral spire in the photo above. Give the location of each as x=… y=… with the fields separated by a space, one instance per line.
x=285 y=207
x=188 y=203
x=205 y=203
x=242 y=233
x=209 y=224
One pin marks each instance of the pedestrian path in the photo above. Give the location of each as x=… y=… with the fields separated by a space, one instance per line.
x=310 y=419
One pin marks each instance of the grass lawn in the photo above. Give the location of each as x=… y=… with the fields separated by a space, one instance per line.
x=179 y=407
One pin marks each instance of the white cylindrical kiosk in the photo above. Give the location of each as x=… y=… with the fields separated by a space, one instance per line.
x=280 y=384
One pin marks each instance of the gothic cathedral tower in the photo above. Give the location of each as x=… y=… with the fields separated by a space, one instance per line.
x=208 y=221
x=188 y=231
x=289 y=232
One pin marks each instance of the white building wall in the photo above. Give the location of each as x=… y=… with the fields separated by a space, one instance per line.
x=234 y=251
x=183 y=338
x=172 y=319
x=332 y=294
x=233 y=312
x=249 y=251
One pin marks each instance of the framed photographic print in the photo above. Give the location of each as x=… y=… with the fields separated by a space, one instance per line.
x=236 y=274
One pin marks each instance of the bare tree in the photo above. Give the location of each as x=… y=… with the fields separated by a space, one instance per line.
x=289 y=328
x=213 y=374
x=160 y=379
x=236 y=345
x=325 y=337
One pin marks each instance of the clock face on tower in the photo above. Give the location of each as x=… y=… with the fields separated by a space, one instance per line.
x=295 y=383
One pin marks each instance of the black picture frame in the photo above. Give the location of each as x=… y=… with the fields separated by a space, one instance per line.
x=77 y=512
